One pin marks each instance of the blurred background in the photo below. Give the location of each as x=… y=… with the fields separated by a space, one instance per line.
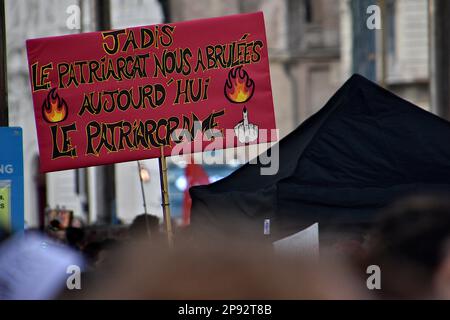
x=314 y=46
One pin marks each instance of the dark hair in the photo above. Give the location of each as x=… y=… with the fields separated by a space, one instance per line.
x=409 y=242
x=3 y=234
x=140 y=224
x=414 y=230
x=92 y=249
x=74 y=236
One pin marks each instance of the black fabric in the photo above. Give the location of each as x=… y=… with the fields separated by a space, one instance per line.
x=362 y=150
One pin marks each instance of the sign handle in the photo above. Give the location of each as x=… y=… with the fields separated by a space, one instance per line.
x=165 y=196
x=144 y=202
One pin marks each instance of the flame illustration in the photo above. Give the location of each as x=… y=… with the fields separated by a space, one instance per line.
x=54 y=108
x=239 y=88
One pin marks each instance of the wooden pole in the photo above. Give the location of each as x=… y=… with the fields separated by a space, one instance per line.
x=144 y=202
x=165 y=196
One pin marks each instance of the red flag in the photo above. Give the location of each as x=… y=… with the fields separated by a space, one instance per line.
x=195 y=176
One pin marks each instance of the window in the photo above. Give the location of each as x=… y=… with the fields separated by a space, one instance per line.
x=308 y=11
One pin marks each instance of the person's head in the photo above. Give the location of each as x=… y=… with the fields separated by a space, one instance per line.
x=74 y=237
x=219 y=270
x=3 y=234
x=96 y=252
x=144 y=225
x=408 y=243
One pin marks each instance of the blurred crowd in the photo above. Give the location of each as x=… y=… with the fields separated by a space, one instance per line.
x=409 y=244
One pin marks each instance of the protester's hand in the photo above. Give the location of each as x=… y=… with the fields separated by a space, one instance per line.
x=246 y=132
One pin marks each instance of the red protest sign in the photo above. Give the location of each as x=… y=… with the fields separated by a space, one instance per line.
x=114 y=96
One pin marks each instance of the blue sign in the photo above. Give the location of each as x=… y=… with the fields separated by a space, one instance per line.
x=11 y=179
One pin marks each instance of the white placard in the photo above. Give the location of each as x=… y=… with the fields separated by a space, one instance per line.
x=304 y=243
